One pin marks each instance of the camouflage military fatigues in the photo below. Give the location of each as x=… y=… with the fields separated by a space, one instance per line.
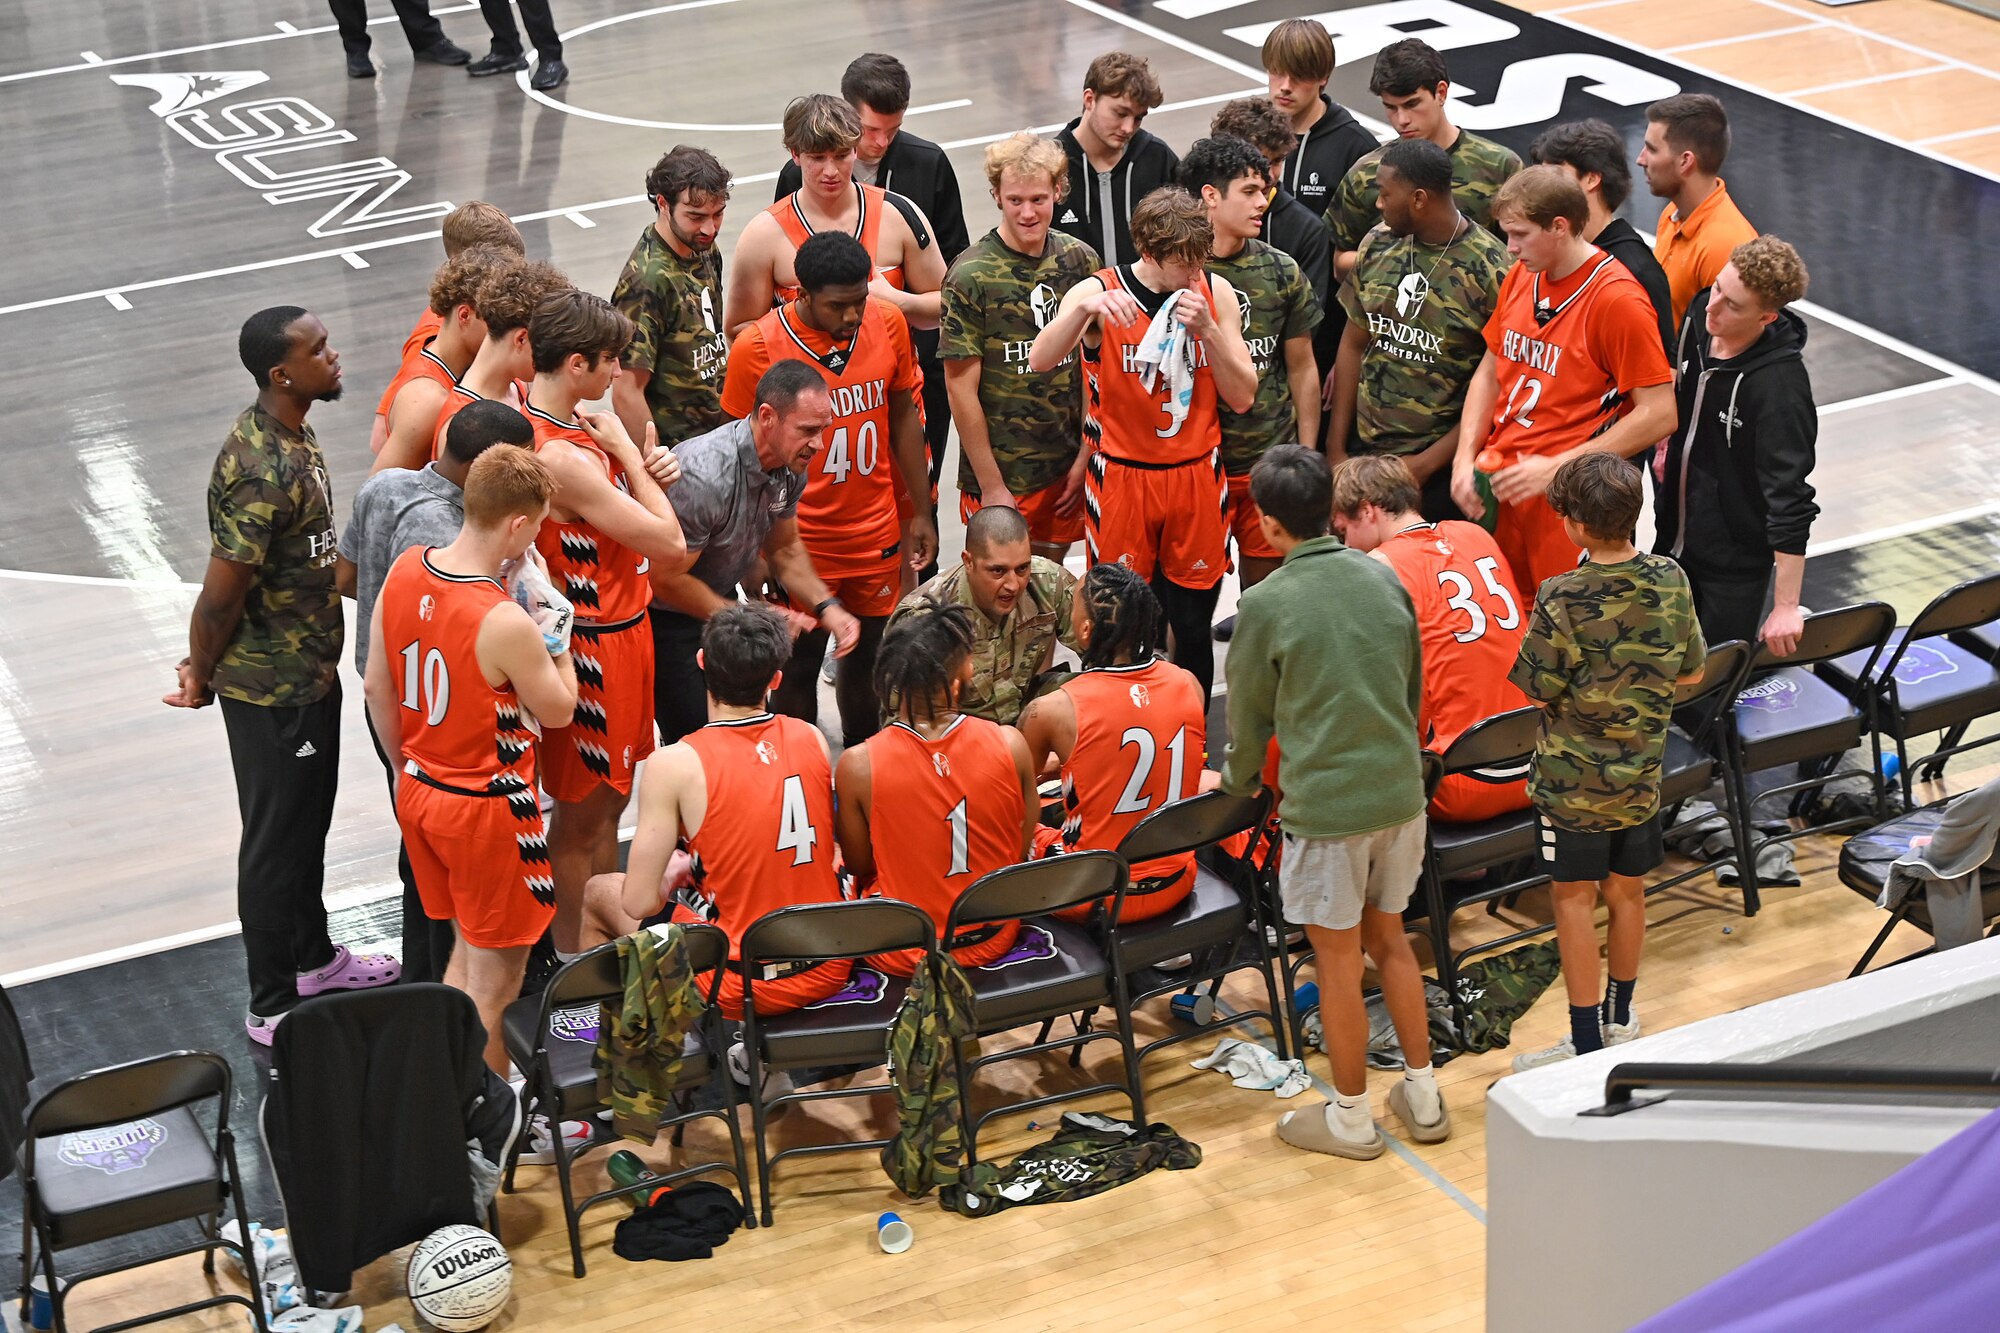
x=996 y=300
x=675 y=306
x=1479 y=167
x=270 y=505
x=1601 y=655
x=1424 y=309
x=1006 y=654
x=1277 y=303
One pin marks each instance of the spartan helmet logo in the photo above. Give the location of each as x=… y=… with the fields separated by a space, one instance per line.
x=941 y=763
x=427 y=607
x=1141 y=696
x=708 y=310
x=767 y=753
x=1243 y=311
x=1042 y=303
x=1411 y=293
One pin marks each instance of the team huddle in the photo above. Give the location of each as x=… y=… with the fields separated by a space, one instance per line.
x=1192 y=363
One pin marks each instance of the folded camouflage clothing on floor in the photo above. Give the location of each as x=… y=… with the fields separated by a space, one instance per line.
x=1088 y=1155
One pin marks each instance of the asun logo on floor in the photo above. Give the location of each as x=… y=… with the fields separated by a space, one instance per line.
x=275 y=146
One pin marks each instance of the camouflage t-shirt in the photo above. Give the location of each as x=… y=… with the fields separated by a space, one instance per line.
x=675 y=306
x=1006 y=654
x=1601 y=655
x=270 y=505
x=1479 y=167
x=1277 y=303
x=1424 y=309
x=996 y=300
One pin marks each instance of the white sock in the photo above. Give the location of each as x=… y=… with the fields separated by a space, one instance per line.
x=1420 y=1086
x=1348 y=1118
x=562 y=957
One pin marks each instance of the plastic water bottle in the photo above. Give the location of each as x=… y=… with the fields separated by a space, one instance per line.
x=625 y=1168
x=1892 y=766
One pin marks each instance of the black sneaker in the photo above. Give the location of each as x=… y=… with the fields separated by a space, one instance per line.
x=360 y=67
x=493 y=62
x=549 y=74
x=444 y=51
x=1224 y=628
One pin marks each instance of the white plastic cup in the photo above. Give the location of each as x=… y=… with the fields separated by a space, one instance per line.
x=893 y=1234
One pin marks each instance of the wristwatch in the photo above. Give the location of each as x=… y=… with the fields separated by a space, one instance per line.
x=819 y=608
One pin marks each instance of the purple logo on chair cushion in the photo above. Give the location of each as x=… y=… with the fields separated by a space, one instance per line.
x=1773 y=694
x=1922 y=662
x=113 y=1149
x=1032 y=943
x=864 y=986
x=575 y=1024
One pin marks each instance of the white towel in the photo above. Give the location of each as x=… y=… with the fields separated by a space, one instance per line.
x=1166 y=354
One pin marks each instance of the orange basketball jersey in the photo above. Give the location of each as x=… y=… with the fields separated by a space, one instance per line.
x=1567 y=352
x=1124 y=418
x=849 y=505
x=1141 y=734
x=945 y=811
x=766 y=840
x=425 y=365
x=604 y=580
x=460 y=397
x=427 y=327
x=869 y=202
x=458 y=730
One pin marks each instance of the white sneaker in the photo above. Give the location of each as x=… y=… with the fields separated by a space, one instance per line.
x=1551 y=1055
x=541 y=1149
x=1616 y=1034
x=776 y=1081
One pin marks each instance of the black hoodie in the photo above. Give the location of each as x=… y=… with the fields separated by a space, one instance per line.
x=1324 y=153
x=1147 y=165
x=1736 y=487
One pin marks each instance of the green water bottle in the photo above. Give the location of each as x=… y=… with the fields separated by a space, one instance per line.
x=625 y=1168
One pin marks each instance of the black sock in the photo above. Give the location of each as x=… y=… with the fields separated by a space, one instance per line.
x=1584 y=1030
x=1618 y=1001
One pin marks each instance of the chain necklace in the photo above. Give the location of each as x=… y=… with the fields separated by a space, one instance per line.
x=1410 y=255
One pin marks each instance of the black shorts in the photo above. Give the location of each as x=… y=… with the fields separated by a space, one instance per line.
x=1572 y=858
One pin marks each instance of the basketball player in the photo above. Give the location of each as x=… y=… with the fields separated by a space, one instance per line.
x=467 y=225
x=1467 y=618
x=1573 y=364
x=1155 y=499
x=608 y=521
x=1410 y=79
x=421 y=388
x=752 y=795
x=504 y=370
x=1112 y=162
x=1018 y=431
x=671 y=290
x=1288 y=224
x=956 y=794
x=847 y=516
x=1128 y=732
x=1687 y=141
x=1593 y=152
x=466 y=802
x=1298 y=64
x=821 y=134
x=1278 y=315
x=1423 y=286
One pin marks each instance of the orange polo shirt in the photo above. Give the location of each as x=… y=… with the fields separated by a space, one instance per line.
x=1693 y=249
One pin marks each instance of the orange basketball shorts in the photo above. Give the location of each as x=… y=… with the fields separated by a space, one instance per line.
x=1172 y=518
x=479 y=860
x=613 y=726
x=1045 y=526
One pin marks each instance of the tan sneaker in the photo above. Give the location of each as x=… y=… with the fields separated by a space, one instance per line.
x=1307 y=1128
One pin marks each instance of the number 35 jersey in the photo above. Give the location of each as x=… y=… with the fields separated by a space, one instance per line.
x=848 y=510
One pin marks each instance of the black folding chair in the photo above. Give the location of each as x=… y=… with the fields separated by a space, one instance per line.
x=551 y=1037
x=1866 y=857
x=1925 y=680
x=1695 y=754
x=1787 y=714
x=1054 y=968
x=1220 y=925
x=850 y=1028
x=16 y=1073
x=120 y=1150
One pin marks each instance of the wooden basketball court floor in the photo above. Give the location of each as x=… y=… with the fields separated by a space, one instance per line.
x=1868 y=133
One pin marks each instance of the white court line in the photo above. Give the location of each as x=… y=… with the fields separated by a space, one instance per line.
x=93 y=580
x=1889 y=395
x=1742 y=37
x=1910 y=528
x=91 y=60
x=118 y=301
x=1578 y=9
x=286 y=26
x=1873 y=36
x=1960 y=134
x=354 y=260
x=582 y=220
x=1872 y=78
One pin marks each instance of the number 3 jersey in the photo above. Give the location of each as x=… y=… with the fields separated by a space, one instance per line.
x=1121 y=416
x=848 y=511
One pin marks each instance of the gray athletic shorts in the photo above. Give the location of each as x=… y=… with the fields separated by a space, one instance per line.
x=1325 y=882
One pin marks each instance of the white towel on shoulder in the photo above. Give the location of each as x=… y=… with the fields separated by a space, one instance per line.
x=1166 y=355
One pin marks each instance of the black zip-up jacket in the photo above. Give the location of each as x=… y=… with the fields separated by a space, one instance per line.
x=1622 y=242
x=1147 y=165
x=920 y=171
x=1736 y=488
x=1324 y=153
x=1292 y=227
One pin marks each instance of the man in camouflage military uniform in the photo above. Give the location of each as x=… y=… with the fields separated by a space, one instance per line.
x=265 y=637
x=1607 y=645
x=1279 y=314
x=1410 y=79
x=1417 y=300
x=1023 y=603
x=671 y=290
x=1018 y=432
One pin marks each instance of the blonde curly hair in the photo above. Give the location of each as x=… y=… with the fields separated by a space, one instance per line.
x=1772 y=270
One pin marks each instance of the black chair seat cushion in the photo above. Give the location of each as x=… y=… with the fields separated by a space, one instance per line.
x=572 y=1037
x=1053 y=968
x=107 y=1182
x=1865 y=859
x=849 y=1027
x=1212 y=913
x=1792 y=715
x=1980 y=640
x=1463 y=848
x=1685 y=771
x=1938 y=684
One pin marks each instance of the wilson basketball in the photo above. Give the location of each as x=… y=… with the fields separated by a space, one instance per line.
x=460 y=1278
